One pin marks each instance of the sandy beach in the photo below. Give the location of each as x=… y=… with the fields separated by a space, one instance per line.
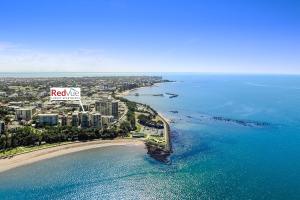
x=35 y=156
x=127 y=92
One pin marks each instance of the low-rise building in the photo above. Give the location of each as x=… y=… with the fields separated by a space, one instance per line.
x=13 y=95
x=3 y=94
x=48 y=119
x=43 y=94
x=12 y=108
x=25 y=113
x=16 y=103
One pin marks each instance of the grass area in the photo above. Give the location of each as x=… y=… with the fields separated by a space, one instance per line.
x=128 y=137
x=156 y=139
x=26 y=149
x=138 y=127
x=154 y=142
x=156 y=118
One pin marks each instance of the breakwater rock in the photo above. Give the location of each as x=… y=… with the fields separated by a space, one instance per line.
x=174 y=111
x=241 y=122
x=171 y=95
x=158 y=153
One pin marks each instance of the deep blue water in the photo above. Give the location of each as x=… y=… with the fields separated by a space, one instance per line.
x=212 y=159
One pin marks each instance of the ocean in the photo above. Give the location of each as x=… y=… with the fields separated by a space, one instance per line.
x=233 y=137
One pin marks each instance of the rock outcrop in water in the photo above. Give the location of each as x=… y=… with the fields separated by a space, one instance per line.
x=174 y=111
x=171 y=95
x=158 y=153
x=248 y=123
x=241 y=122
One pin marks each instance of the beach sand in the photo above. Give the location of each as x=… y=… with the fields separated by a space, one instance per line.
x=35 y=156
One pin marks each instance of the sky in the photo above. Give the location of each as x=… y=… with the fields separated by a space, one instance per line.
x=214 y=36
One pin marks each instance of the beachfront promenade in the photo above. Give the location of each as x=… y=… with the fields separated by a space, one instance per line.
x=166 y=132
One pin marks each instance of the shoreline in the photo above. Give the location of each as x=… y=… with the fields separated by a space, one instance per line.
x=127 y=92
x=166 y=121
x=44 y=154
x=60 y=150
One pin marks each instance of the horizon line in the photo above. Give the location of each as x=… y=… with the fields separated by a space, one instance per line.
x=163 y=72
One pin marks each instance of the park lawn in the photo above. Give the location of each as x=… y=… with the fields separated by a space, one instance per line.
x=138 y=127
x=156 y=143
x=26 y=149
x=157 y=139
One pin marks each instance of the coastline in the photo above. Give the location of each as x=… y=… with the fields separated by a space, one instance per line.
x=43 y=154
x=167 y=131
x=126 y=92
x=51 y=152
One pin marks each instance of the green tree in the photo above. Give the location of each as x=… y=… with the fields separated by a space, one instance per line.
x=7 y=119
x=125 y=128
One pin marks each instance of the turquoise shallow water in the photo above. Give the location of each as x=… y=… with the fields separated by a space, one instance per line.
x=212 y=159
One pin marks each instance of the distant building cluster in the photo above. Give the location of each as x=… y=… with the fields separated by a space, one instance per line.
x=101 y=113
x=97 y=114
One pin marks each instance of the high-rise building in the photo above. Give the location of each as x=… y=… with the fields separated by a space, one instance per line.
x=85 y=120
x=103 y=107
x=115 y=109
x=107 y=107
x=97 y=106
x=75 y=119
x=48 y=119
x=2 y=127
x=86 y=107
x=96 y=120
x=25 y=113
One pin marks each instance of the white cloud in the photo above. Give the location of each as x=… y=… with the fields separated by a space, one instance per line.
x=17 y=58
x=5 y=46
x=13 y=58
